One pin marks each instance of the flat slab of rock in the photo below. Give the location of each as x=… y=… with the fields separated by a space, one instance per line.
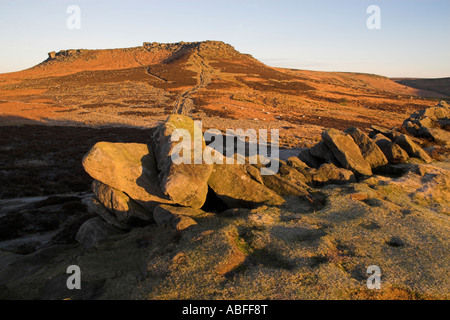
x=184 y=183
x=369 y=149
x=128 y=167
x=346 y=151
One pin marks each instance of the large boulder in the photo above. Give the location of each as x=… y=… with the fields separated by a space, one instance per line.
x=121 y=205
x=369 y=149
x=236 y=188
x=184 y=183
x=412 y=148
x=346 y=151
x=128 y=167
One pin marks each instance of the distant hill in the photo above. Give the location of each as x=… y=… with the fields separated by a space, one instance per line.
x=439 y=85
x=209 y=80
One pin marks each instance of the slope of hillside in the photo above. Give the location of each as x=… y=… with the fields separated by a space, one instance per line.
x=440 y=86
x=210 y=80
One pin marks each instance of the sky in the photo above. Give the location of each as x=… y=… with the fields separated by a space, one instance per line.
x=413 y=38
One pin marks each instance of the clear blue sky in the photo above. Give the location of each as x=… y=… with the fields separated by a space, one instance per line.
x=330 y=35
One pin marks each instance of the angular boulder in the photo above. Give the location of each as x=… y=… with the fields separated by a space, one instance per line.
x=328 y=173
x=306 y=157
x=118 y=203
x=236 y=188
x=321 y=151
x=436 y=113
x=346 y=151
x=392 y=134
x=296 y=163
x=393 y=152
x=128 y=167
x=184 y=183
x=95 y=207
x=435 y=134
x=287 y=181
x=369 y=149
x=412 y=148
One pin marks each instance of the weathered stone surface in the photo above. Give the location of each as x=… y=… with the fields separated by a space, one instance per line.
x=172 y=216
x=128 y=167
x=287 y=181
x=412 y=148
x=393 y=152
x=306 y=157
x=94 y=231
x=411 y=127
x=392 y=134
x=369 y=149
x=436 y=113
x=95 y=207
x=186 y=184
x=254 y=172
x=321 y=151
x=296 y=163
x=118 y=203
x=346 y=151
x=435 y=134
x=425 y=122
x=328 y=173
x=236 y=188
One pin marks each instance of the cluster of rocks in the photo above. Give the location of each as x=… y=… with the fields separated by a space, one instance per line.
x=431 y=123
x=344 y=156
x=63 y=53
x=139 y=184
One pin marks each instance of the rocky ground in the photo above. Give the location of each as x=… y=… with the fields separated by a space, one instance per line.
x=149 y=229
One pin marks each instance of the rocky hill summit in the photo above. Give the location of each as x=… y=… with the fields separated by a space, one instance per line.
x=148 y=53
